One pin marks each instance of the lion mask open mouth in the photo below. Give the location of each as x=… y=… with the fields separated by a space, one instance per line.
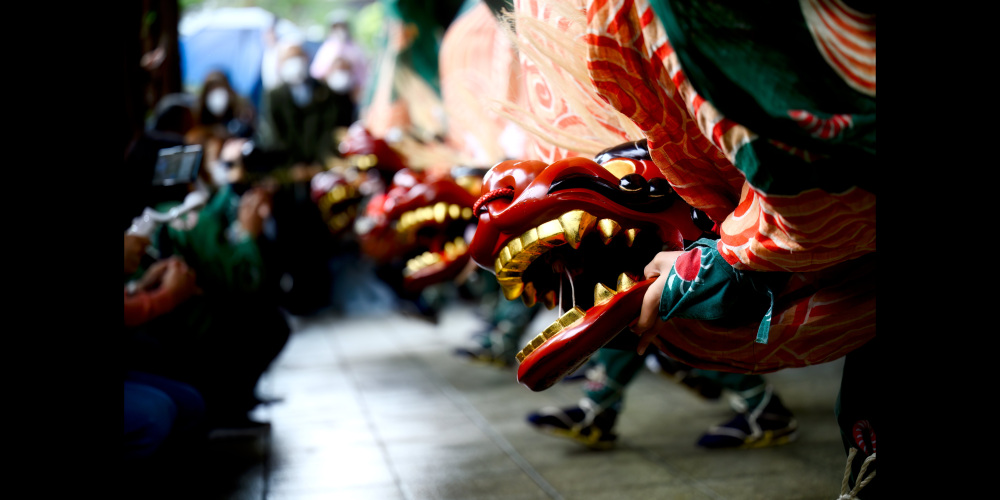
x=576 y=235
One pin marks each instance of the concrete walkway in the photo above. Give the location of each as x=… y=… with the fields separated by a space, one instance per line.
x=376 y=406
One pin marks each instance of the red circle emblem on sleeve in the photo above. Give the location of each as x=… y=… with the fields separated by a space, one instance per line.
x=688 y=264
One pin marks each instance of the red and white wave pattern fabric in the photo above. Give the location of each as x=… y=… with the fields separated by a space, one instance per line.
x=846 y=39
x=821 y=128
x=476 y=63
x=634 y=68
x=545 y=85
x=805 y=232
x=806 y=155
x=724 y=133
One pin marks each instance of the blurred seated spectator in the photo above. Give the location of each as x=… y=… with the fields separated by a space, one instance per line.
x=304 y=113
x=340 y=79
x=340 y=61
x=223 y=119
x=164 y=286
x=303 y=117
x=220 y=107
x=159 y=411
x=222 y=340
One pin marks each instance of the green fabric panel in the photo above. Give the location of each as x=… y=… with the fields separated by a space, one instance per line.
x=431 y=18
x=756 y=62
x=772 y=170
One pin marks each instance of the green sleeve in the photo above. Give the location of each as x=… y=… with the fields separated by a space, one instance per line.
x=703 y=286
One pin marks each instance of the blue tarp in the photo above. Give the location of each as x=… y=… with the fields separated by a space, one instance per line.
x=237 y=52
x=231 y=40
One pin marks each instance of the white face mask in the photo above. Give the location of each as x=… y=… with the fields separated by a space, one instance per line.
x=294 y=70
x=339 y=81
x=219 y=172
x=216 y=101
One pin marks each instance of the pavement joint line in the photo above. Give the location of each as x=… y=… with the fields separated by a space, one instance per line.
x=484 y=425
x=348 y=369
x=656 y=458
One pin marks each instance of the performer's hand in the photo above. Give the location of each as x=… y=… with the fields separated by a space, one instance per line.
x=649 y=315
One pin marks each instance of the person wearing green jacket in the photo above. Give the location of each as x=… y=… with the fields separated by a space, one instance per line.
x=222 y=340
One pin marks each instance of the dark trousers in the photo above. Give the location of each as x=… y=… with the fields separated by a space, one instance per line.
x=158 y=409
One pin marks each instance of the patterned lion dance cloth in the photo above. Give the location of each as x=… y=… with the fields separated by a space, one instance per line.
x=761 y=117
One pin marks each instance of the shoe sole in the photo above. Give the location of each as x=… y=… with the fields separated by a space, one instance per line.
x=576 y=437
x=770 y=439
x=488 y=360
x=492 y=362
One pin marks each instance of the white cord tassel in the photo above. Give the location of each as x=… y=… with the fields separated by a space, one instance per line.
x=862 y=479
x=572 y=291
x=561 y=310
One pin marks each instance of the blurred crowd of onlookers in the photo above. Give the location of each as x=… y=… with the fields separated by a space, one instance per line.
x=223 y=239
x=238 y=218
